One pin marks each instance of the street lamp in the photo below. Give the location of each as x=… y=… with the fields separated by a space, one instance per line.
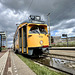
x=49 y=29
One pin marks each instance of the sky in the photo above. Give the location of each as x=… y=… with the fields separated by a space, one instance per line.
x=62 y=15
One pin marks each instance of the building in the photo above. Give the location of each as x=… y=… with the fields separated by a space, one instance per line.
x=3 y=38
x=58 y=39
x=70 y=39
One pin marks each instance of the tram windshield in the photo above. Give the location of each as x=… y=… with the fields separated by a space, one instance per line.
x=37 y=29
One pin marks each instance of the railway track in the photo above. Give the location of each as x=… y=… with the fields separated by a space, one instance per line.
x=65 y=57
x=54 y=68
x=63 y=48
x=51 y=67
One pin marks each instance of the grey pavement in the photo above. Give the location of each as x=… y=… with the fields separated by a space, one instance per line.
x=19 y=67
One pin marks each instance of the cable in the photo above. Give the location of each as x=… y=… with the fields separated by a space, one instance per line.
x=30 y=5
x=64 y=11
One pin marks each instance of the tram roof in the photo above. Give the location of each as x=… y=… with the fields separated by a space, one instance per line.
x=33 y=21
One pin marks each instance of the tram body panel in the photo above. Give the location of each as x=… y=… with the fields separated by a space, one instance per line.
x=34 y=40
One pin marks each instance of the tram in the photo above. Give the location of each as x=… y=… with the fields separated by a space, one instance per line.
x=31 y=37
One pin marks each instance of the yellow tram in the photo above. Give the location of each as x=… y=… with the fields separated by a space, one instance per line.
x=31 y=37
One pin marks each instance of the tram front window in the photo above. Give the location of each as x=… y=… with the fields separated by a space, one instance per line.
x=42 y=30
x=37 y=29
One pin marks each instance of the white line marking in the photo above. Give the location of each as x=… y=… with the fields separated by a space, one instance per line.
x=16 y=71
x=9 y=69
x=14 y=68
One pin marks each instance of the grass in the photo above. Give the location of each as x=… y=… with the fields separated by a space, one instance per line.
x=39 y=70
x=64 y=44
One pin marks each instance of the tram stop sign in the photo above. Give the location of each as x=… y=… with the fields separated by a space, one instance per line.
x=64 y=35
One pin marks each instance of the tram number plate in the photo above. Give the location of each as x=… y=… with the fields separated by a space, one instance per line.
x=40 y=36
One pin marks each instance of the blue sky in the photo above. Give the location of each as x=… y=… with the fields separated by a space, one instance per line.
x=54 y=32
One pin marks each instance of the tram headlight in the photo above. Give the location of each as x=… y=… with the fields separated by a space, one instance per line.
x=41 y=42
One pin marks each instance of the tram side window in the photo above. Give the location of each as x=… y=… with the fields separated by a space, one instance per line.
x=37 y=29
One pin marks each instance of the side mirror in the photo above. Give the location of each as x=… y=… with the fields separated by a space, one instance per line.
x=47 y=35
x=29 y=35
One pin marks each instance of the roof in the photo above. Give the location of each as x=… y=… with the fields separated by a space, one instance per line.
x=33 y=21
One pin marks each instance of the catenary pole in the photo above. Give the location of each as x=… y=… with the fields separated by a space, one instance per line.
x=49 y=29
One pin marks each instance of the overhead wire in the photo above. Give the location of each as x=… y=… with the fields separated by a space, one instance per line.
x=64 y=11
x=29 y=5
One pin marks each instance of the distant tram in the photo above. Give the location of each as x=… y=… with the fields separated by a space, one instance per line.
x=31 y=37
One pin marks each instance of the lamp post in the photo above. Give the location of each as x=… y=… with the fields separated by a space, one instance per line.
x=49 y=29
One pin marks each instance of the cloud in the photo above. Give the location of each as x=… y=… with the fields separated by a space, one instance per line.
x=64 y=24
x=62 y=14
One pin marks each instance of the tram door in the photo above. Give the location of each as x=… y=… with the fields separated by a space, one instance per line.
x=20 y=40
x=23 y=40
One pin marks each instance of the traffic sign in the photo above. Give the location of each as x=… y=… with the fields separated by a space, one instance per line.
x=64 y=35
